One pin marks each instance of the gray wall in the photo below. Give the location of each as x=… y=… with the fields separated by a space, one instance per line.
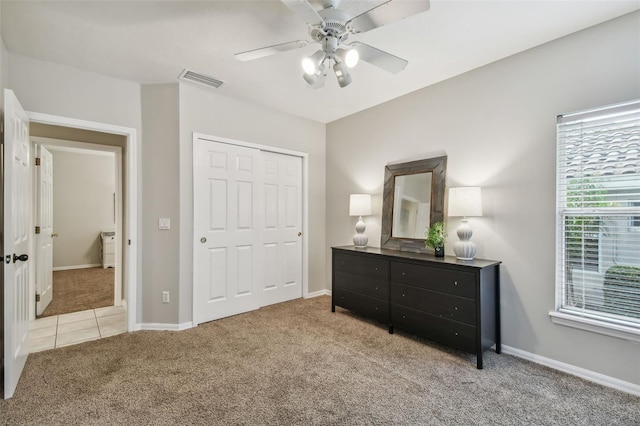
x=161 y=183
x=83 y=206
x=497 y=126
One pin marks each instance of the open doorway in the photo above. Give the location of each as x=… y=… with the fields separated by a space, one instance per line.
x=80 y=272
x=93 y=202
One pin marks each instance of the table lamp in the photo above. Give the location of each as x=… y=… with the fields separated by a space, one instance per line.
x=360 y=205
x=465 y=202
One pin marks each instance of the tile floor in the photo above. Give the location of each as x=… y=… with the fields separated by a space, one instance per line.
x=70 y=329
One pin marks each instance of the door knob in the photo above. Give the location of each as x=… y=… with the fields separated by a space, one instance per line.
x=22 y=258
x=54 y=235
x=299 y=234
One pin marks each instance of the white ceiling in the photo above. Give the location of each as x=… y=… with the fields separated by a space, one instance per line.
x=153 y=41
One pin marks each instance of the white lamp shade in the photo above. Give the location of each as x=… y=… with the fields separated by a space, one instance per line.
x=465 y=201
x=360 y=205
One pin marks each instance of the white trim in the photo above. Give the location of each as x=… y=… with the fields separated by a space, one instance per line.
x=305 y=206
x=100 y=150
x=317 y=293
x=131 y=251
x=156 y=326
x=593 y=325
x=87 y=151
x=67 y=268
x=592 y=376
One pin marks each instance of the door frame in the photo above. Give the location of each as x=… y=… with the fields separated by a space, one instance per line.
x=305 y=206
x=82 y=147
x=131 y=254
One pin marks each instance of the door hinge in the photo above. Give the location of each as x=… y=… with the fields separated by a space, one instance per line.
x=37 y=229
x=37 y=161
x=37 y=297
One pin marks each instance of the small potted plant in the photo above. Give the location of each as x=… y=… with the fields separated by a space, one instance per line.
x=436 y=235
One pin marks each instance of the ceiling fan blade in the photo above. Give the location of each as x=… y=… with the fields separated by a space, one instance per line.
x=379 y=58
x=386 y=13
x=270 y=50
x=305 y=10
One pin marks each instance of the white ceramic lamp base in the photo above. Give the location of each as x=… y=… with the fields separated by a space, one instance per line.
x=360 y=240
x=464 y=249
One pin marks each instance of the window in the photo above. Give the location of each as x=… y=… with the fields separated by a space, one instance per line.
x=598 y=207
x=635 y=220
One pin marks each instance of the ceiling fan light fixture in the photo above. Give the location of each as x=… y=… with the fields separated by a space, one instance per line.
x=316 y=80
x=310 y=64
x=342 y=74
x=348 y=56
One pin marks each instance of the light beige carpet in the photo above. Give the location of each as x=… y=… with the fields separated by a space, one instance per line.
x=81 y=289
x=296 y=363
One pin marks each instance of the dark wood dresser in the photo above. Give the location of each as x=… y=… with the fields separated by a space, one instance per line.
x=444 y=299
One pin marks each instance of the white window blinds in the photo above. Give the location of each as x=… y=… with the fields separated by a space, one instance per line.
x=598 y=214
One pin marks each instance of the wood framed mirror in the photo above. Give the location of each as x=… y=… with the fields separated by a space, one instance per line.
x=413 y=200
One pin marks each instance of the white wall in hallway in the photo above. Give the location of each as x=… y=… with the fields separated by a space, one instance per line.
x=83 y=205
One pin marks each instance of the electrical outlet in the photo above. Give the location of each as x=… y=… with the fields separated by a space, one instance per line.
x=164 y=223
x=165 y=297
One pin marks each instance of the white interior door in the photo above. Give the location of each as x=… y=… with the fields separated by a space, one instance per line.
x=16 y=241
x=282 y=227
x=44 y=240
x=227 y=258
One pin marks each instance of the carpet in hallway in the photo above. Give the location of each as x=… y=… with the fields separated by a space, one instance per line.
x=81 y=289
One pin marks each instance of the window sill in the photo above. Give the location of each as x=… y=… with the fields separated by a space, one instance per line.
x=588 y=324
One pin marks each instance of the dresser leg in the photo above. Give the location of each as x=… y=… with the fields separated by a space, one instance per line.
x=333 y=307
x=390 y=329
x=498 y=348
x=479 y=362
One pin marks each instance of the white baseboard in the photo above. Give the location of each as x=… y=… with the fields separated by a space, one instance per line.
x=592 y=376
x=166 y=327
x=318 y=293
x=66 y=268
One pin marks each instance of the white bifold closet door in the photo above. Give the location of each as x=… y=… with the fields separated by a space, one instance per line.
x=247 y=224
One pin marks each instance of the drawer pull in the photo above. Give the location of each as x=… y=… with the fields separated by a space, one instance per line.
x=455 y=283
x=376 y=269
x=376 y=288
x=455 y=308
x=403 y=274
x=404 y=317
x=402 y=294
x=456 y=334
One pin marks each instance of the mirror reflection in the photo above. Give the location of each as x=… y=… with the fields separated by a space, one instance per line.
x=411 y=205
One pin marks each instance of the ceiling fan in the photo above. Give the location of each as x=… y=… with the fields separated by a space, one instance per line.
x=331 y=27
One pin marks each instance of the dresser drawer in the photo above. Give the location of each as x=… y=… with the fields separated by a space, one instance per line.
x=449 y=281
x=437 y=304
x=360 y=265
x=364 y=305
x=456 y=334
x=363 y=285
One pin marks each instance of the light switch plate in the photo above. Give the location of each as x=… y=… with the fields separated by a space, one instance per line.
x=164 y=223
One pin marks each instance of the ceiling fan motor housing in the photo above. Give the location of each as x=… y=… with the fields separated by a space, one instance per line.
x=335 y=21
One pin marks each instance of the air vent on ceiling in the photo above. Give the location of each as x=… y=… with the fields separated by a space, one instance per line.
x=201 y=79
